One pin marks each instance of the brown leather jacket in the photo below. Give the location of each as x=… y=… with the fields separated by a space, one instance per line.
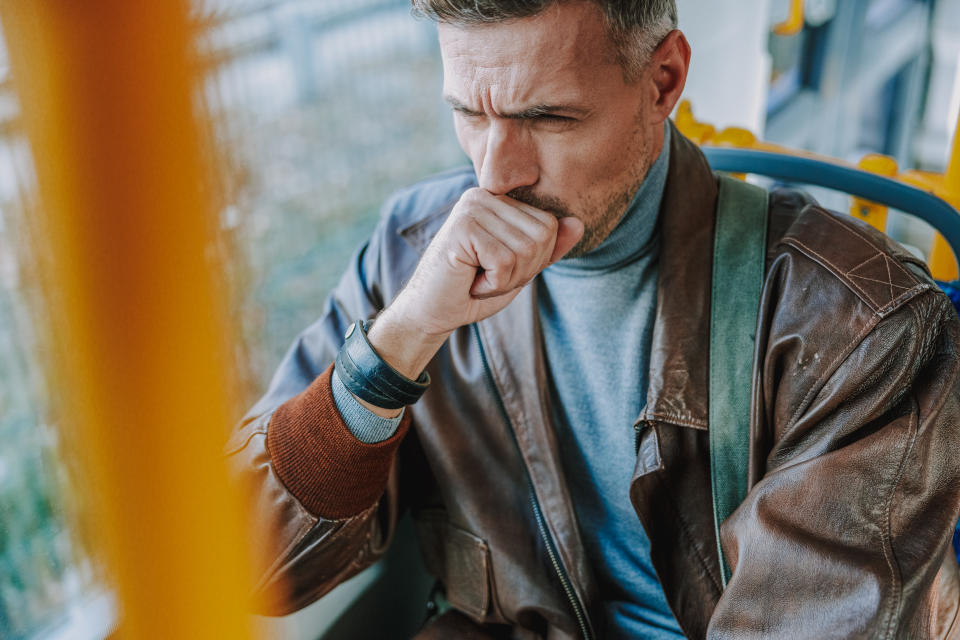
x=854 y=474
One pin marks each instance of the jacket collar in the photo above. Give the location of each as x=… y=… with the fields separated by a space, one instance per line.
x=678 y=386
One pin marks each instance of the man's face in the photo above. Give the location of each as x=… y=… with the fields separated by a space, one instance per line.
x=542 y=109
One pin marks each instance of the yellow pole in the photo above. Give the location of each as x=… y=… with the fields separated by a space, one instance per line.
x=105 y=90
x=870 y=212
x=952 y=177
x=942 y=261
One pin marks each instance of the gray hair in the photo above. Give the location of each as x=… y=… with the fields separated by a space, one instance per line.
x=636 y=27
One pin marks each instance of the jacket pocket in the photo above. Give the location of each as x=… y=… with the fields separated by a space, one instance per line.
x=459 y=559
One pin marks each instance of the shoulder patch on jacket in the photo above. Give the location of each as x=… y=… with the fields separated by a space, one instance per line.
x=865 y=260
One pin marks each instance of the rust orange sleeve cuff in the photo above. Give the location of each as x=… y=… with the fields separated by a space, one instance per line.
x=332 y=473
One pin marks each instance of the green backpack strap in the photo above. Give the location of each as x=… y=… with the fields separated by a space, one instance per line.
x=739 y=255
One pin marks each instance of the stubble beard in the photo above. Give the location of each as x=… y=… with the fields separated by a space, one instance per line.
x=597 y=226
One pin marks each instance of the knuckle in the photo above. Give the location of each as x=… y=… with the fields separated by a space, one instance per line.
x=529 y=248
x=506 y=260
x=497 y=278
x=544 y=235
x=551 y=224
x=504 y=264
x=470 y=224
x=463 y=205
x=472 y=195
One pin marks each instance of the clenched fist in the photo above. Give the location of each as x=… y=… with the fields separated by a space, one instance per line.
x=488 y=249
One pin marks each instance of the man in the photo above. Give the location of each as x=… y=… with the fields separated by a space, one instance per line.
x=558 y=296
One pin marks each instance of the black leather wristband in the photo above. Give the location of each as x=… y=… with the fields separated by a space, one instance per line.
x=368 y=376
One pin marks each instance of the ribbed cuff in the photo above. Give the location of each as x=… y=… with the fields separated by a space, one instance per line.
x=332 y=473
x=364 y=424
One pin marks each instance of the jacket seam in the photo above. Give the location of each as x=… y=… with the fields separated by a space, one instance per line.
x=865 y=240
x=847 y=279
x=860 y=264
x=340 y=526
x=907 y=295
x=285 y=555
x=366 y=548
x=945 y=309
x=889 y=284
x=886 y=263
x=260 y=429
x=896 y=572
x=256 y=431
x=838 y=271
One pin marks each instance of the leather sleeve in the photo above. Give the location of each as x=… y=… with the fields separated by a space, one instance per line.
x=846 y=532
x=321 y=504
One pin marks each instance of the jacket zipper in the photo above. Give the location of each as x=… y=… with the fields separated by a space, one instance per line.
x=558 y=566
x=561 y=571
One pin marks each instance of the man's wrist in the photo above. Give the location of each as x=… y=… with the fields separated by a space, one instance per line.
x=403 y=344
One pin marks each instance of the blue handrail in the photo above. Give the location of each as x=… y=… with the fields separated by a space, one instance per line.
x=857 y=182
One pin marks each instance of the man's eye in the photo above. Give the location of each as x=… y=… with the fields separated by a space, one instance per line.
x=555 y=122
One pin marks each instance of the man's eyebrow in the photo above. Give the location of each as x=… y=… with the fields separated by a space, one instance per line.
x=526 y=114
x=456 y=105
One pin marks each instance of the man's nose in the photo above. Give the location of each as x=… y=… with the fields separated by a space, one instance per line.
x=509 y=160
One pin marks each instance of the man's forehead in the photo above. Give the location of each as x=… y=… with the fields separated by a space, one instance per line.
x=561 y=46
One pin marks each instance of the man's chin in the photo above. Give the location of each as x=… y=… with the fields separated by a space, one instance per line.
x=578 y=251
x=587 y=243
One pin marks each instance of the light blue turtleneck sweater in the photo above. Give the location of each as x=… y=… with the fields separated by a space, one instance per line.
x=597 y=315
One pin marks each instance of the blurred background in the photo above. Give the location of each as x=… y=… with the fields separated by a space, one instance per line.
x=318 y=110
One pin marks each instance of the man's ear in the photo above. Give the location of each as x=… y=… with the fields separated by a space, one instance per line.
x=668 y=72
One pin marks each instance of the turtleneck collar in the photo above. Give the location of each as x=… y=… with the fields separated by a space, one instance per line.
x=634 y=236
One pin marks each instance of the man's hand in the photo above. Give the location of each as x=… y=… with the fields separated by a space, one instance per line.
x=486 y=252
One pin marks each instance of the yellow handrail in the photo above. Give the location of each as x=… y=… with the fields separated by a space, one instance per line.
x=794 y=22
x=105 y=88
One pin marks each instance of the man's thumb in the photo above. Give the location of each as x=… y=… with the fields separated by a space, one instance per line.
x=568 y=234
